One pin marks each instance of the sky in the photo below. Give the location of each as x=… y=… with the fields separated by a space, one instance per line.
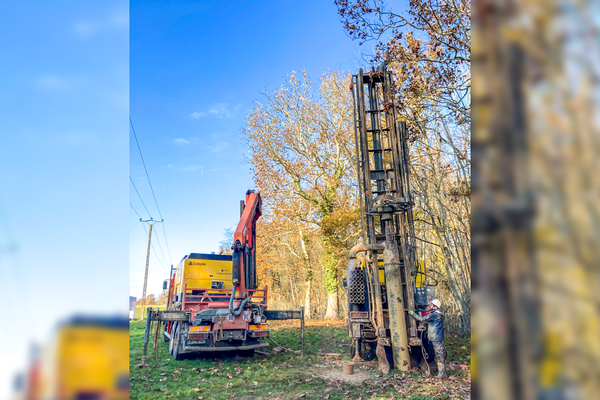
x=196 y=71
x=64 y=158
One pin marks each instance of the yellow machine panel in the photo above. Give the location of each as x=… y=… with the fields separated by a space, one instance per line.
x=204 y=271
x=420 y=278
x=89 y=358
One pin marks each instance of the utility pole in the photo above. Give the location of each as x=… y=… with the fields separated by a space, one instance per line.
x=150 y=222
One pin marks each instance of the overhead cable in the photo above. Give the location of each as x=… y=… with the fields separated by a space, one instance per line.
x=151 y=188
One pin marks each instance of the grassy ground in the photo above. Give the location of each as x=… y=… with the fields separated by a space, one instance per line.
x=316 y=375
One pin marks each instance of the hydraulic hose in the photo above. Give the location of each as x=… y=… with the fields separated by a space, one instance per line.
x=236 y=313
x=240 y=308
x=231 y=298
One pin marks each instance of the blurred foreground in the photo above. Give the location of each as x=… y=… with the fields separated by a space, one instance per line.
x=87 y=358
x=63 y=180
x=536 y=212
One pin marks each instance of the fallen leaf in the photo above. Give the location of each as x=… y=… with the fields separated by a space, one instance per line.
x=196 y=389
x=177 y=371
x=229 y=375
x=255 y=383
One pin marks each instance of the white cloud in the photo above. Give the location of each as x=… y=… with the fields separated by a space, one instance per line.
x=197 y=115
x=193 y=168
x=120 y=19
x=53 y=82
x=218 y=147
x=181 y=141
x=86 y=28
x=219 y=110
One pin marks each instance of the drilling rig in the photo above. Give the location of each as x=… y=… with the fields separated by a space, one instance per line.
x=384 y=279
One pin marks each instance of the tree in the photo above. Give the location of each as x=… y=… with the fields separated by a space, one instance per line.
x=302 y=153
x=428 y=48
x=150 y=300
x=226 y=244
x=162 y=299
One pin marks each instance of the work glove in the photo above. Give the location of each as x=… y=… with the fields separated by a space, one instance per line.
x=411 y=312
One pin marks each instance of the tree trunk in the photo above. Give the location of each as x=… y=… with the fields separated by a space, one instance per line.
x=332 y=306
x=307 y=309
x=309 y=277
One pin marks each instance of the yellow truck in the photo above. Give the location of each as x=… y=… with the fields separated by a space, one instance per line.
x=87 y=358
x=202 y=287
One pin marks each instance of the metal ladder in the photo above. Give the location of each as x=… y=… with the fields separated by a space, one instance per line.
x=382 y=169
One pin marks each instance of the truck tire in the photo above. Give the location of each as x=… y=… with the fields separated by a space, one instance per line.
x=164 y=336
x=172 y=342
x=178 y=345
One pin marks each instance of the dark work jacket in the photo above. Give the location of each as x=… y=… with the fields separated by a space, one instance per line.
x=435 y=325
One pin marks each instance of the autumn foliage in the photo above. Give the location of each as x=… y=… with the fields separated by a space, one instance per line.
x=303 y=157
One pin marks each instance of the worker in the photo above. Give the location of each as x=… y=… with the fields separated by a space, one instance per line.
x=435 y=333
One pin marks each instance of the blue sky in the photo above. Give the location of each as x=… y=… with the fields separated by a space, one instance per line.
x=196 y=69
x=64 y=160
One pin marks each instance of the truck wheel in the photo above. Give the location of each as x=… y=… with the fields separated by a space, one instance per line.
x=172 y=342
x=165 y=337
x=177 y=345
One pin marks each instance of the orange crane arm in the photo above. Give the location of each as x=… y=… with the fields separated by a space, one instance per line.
x=244 y=252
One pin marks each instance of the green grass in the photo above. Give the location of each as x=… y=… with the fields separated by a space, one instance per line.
x=284 y=375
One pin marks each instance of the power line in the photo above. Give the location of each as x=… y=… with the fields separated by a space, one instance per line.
x=166 y=241
x=138 y=193
x=151 y=188
x=161 y=251
x=135 y=211
x=160 y=247
x=153 y=249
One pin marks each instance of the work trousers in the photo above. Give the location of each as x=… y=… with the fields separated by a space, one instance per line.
x=440 y=358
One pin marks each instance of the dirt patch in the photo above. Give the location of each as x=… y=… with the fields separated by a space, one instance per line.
x=334 y=374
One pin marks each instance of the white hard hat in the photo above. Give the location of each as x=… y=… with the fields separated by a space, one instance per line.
x=436 y=303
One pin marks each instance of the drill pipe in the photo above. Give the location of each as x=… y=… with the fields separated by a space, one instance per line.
x=393 y=280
